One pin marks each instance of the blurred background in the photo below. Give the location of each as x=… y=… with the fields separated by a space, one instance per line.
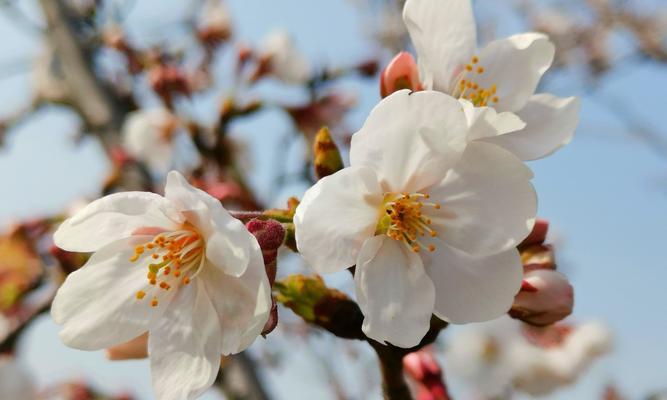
x=241 y=123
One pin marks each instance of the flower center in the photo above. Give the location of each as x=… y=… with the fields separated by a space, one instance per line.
x=466 y=87
x=402 y=219
x=176 y=255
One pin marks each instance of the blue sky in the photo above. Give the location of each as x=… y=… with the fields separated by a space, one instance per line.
x=605 y=193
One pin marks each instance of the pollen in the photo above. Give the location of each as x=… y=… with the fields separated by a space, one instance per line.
x=405 y=220
x=172 y=254
x=467 y=86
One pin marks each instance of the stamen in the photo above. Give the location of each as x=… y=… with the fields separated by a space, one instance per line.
x=404 y=220
x=175 y=252
x=465 y=86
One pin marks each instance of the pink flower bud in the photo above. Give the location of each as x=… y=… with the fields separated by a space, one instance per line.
x=401 y=73
x=425 y=371
x=538 y=234
x=167 y=80
x=270 y=235
x=538 y=256
x=546 y=297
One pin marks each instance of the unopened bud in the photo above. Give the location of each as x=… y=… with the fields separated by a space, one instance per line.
x=538 y=235
x=327 y=157
x=401 y=73
x=167 y=80
x=425 y=371
x=538 y=256
x=546 y=297
x=368 y=68
x=270 y=235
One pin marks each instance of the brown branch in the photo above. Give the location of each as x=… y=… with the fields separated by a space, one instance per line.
x=100 y=108
x=239 y=379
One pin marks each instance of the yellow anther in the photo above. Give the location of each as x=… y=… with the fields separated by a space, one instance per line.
x=140 y=295
x=475 y=59
x=437 y=206
x=480 y=70
x=139 y=249
x=495 y=99
x=167 y=270
x=468 y=67
x=150 y=246
x=152 y=281
x=433 y=233
x=135 y=257
x=186 y=280
x=154 y=302
x=415 y=248
x=177 y=273
x=431 y=248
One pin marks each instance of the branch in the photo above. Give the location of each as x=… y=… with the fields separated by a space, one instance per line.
x=102 y=111
x=239 y=379
x=333 y=311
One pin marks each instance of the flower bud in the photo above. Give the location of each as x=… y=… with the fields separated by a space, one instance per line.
x=270 y=235
x=545 y=297
x=327 y=157
x=368 y=68
x=538 y=257
x=401 y=73
x=538 y=235
x=424 y=370
x=167 y=80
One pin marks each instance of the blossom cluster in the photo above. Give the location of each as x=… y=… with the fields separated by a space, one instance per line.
x=429 y=215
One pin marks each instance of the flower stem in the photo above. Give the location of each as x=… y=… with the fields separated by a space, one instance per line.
x=394 y=386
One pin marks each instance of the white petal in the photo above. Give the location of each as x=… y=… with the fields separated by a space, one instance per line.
x=488 y=202
x=143 y=137
x=114 y=217
x=485 y=122
x=227 y=240
x=550 y=124
x=394 y=293
x=185 y=345
x=444 y=35
x=242 y=304
x=473 y=289
x=515 y=65
x=97 y=303
x=336 y=216
x=411 y=139
x=287 y=63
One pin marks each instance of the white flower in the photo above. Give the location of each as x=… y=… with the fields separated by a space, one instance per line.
x=285 y=61
x=179 y=267
x=431 y=228
x=156 y=137
x=503 y=75
x=15 y=384
x=496 y=358
x=215 y=15
x=562 y=365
